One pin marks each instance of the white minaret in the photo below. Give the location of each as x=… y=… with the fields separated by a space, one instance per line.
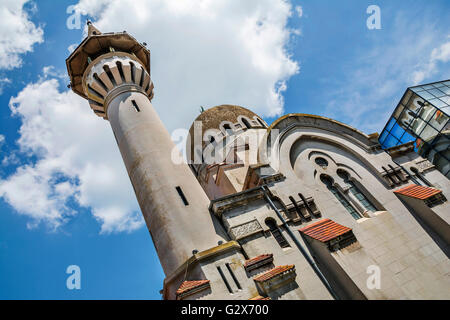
x=112 y=71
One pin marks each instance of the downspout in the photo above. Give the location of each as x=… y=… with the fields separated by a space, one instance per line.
x=311 y=262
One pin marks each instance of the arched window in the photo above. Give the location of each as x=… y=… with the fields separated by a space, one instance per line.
x=321 y=162
x=260 y=122
x=329 y=183
x=356 y=191
x=246 y=123
x=228 y=129
x=275 y=231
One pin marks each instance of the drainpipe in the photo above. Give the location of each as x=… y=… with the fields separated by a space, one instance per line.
x=316 y=269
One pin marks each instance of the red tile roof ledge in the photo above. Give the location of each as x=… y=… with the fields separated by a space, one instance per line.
x=418 y=192
x=333 y=234
x=258 y=261
x=188 y=288
x=275 y=272
x=324 y=230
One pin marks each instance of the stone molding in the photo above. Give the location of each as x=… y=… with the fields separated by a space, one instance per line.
x=257 y=262
x=229 y=202
x=424 y=165
x=246 y=229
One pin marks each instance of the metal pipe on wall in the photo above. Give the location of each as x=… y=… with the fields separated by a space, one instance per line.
x=299 y=245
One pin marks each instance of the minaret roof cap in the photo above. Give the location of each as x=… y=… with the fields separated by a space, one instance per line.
x=96 y=44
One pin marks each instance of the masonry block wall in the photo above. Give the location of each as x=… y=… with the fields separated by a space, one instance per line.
x=330 y=171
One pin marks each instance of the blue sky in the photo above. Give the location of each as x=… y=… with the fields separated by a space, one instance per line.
x=64 y=195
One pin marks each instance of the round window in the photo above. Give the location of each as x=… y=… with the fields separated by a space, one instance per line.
x=321 y=162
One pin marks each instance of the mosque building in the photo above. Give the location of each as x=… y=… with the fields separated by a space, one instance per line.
x=304 y=208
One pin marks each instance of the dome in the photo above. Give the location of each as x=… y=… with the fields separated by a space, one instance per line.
x=213 y=117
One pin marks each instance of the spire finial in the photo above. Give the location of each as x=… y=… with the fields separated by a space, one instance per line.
x=92 y=31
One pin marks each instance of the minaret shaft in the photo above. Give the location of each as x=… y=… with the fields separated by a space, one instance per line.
x=112 y=71
x=146 y=147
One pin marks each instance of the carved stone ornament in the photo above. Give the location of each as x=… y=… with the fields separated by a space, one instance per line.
x=424 y=165
x=246 y=229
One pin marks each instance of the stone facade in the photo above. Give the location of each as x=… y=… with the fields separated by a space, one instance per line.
x=315 y=169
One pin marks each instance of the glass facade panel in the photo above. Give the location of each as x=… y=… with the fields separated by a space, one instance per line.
x=437 y=93
x=397 y=131
x=446 y=90
x=390 y=124
x=423 y=116
x=417 y=126
x=383 y=136
x=417 y=89
x=406 y=119
x=439 y=120
x=428 y=133
x=391 y=141
x=427 y=112
x=426 y=95
x=446 y=99
x=406 y=98
x=438 y=103
x=398 y=111
x=446 y=110
x=415 y=104
x=406 y=138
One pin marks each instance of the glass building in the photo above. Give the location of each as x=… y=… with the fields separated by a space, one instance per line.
x=422 y=116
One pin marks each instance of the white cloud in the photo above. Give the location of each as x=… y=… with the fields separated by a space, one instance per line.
x=299 y=10
x=438 y=55
x=4 y=81
x=77 y=160
x=72 y=47
x=207 y=52
x=442 y=53
x=17 y=33
x=9 y=159
x=51 y=72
